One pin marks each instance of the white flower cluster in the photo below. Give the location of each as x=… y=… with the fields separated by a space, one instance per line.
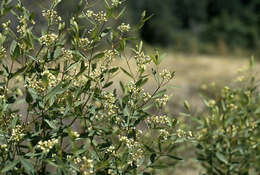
x=115 y=3
x=124 y=27
x=146 y=96
x=21 y=29
x=6 y=25
x=99 y=17
x=48 y=39
x=183 y=134
x=164 y=134
x=212 y=103
x=52 y=80
x=66 y=54
x=162 y=101
x=109 y=103
x=84 y=42
x=166 y=75
x=95 y=74
x=90 y=13
x=86 y=166
x=109 y=57
x=47 y=145
x=158 y=120
x=111 y=149
x=141 y=60
x=51 y=15
x=3 y=148
x=2 y=52
x=38 y=85
x=75 y=134
x=34 y=84
x=135 y=149
x=17 y=134
x=131 y=87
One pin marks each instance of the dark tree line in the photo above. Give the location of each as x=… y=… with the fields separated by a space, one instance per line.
x=233 y=22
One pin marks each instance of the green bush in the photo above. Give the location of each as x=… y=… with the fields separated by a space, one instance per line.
x=228 y=136
x=59 y=110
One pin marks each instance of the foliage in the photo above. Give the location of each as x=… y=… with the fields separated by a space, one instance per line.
x=72 y=119
x=228 y=137
x=182 y=22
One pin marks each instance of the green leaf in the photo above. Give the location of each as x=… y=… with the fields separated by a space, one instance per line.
x=152 y=157
x=120 y=13
x=12 y=47
x=19 y=71
x=108 y=84
x=97 y=56
x=27 y=165
x=51 y=124
x=221 y=157
x=10 y=166
x=141 y=82
x=149 y=148
x=174 y=157
x=59 y=89
x=122 y=86
x=187 y=105
x=127 y=73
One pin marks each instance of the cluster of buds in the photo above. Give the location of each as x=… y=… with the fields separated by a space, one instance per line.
x=232 y=106
x=51 y=16
x=133 y=90
x=66 y=54
x=22 y=27
x=17 y=134
x=111 y=149
x=158 y=120
x=109 y=57
x=52 y=80
x=211 y=103
x=162 y=101
x=3 y=148
x=115 y=3
x=34 y=84
x=240 y=78
x=141 y=60
x=166 y=75
x=6 y=25
x=84 y=43
x=86 y=166
x=2 y=52
x=183 y=134
x=109 y=103
x=75 y=134
x=135 y=149
x=124 y=28
x=47 y=145
x=146 y=96
x=95 y=74
x=99 y=17
x=164 y=134
x=48 y=39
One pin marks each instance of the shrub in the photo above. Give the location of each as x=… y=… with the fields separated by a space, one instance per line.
x=73 y=120
x=228 y=136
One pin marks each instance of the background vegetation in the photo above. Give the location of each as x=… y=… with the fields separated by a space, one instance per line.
x=201 y=26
